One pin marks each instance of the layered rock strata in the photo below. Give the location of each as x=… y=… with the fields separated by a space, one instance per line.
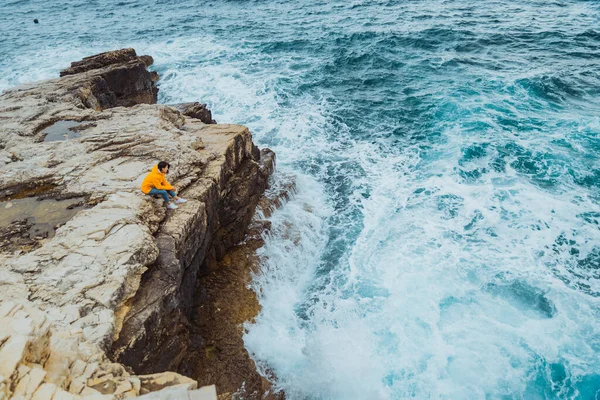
x=120 y=276
x=115 y=78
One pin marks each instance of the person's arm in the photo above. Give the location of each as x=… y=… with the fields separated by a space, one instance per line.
x=164 y=184
x=158 y=182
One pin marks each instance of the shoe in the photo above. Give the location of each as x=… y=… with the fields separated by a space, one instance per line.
x=180 y=201
x=172 y=206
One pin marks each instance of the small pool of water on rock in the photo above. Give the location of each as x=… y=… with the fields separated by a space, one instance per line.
x=25 y=221
x=61 y=130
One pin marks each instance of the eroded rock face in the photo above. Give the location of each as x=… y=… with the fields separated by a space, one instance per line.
x=122 y=272
x=116 y=78
x=196 y=110
x=222 y=305
x=100 y=61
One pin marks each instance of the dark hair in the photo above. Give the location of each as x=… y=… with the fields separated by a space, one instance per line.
x=162 y=165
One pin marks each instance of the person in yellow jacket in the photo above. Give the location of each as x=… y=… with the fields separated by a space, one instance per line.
x=156 y=183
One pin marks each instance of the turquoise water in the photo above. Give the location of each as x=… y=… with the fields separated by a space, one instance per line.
x=445 y=239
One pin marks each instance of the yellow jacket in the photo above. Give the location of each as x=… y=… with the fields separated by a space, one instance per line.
x=155 y=179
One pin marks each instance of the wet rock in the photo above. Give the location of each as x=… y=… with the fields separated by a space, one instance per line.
x=43 y=188
x=196 y=110
x=25 y=222
x=15 y=238
x=147 y=60
x=61 y=130
x=282 y=189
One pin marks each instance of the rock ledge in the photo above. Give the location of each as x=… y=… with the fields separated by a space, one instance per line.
x=114 y=280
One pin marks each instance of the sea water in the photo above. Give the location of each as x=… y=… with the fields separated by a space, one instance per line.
x=444 y=242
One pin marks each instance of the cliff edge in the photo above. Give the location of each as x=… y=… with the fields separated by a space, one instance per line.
x=98 y=281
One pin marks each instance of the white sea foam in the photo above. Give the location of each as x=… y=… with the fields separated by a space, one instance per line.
x=41 y=65
x=425 y=310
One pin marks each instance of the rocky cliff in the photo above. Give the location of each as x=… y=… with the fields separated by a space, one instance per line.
x=93 y=273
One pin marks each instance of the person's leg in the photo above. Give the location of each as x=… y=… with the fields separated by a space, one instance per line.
x=172 y=194
x=162 y=193
x=178 y=200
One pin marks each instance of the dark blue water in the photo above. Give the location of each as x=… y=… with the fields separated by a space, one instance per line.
x=445 y=239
